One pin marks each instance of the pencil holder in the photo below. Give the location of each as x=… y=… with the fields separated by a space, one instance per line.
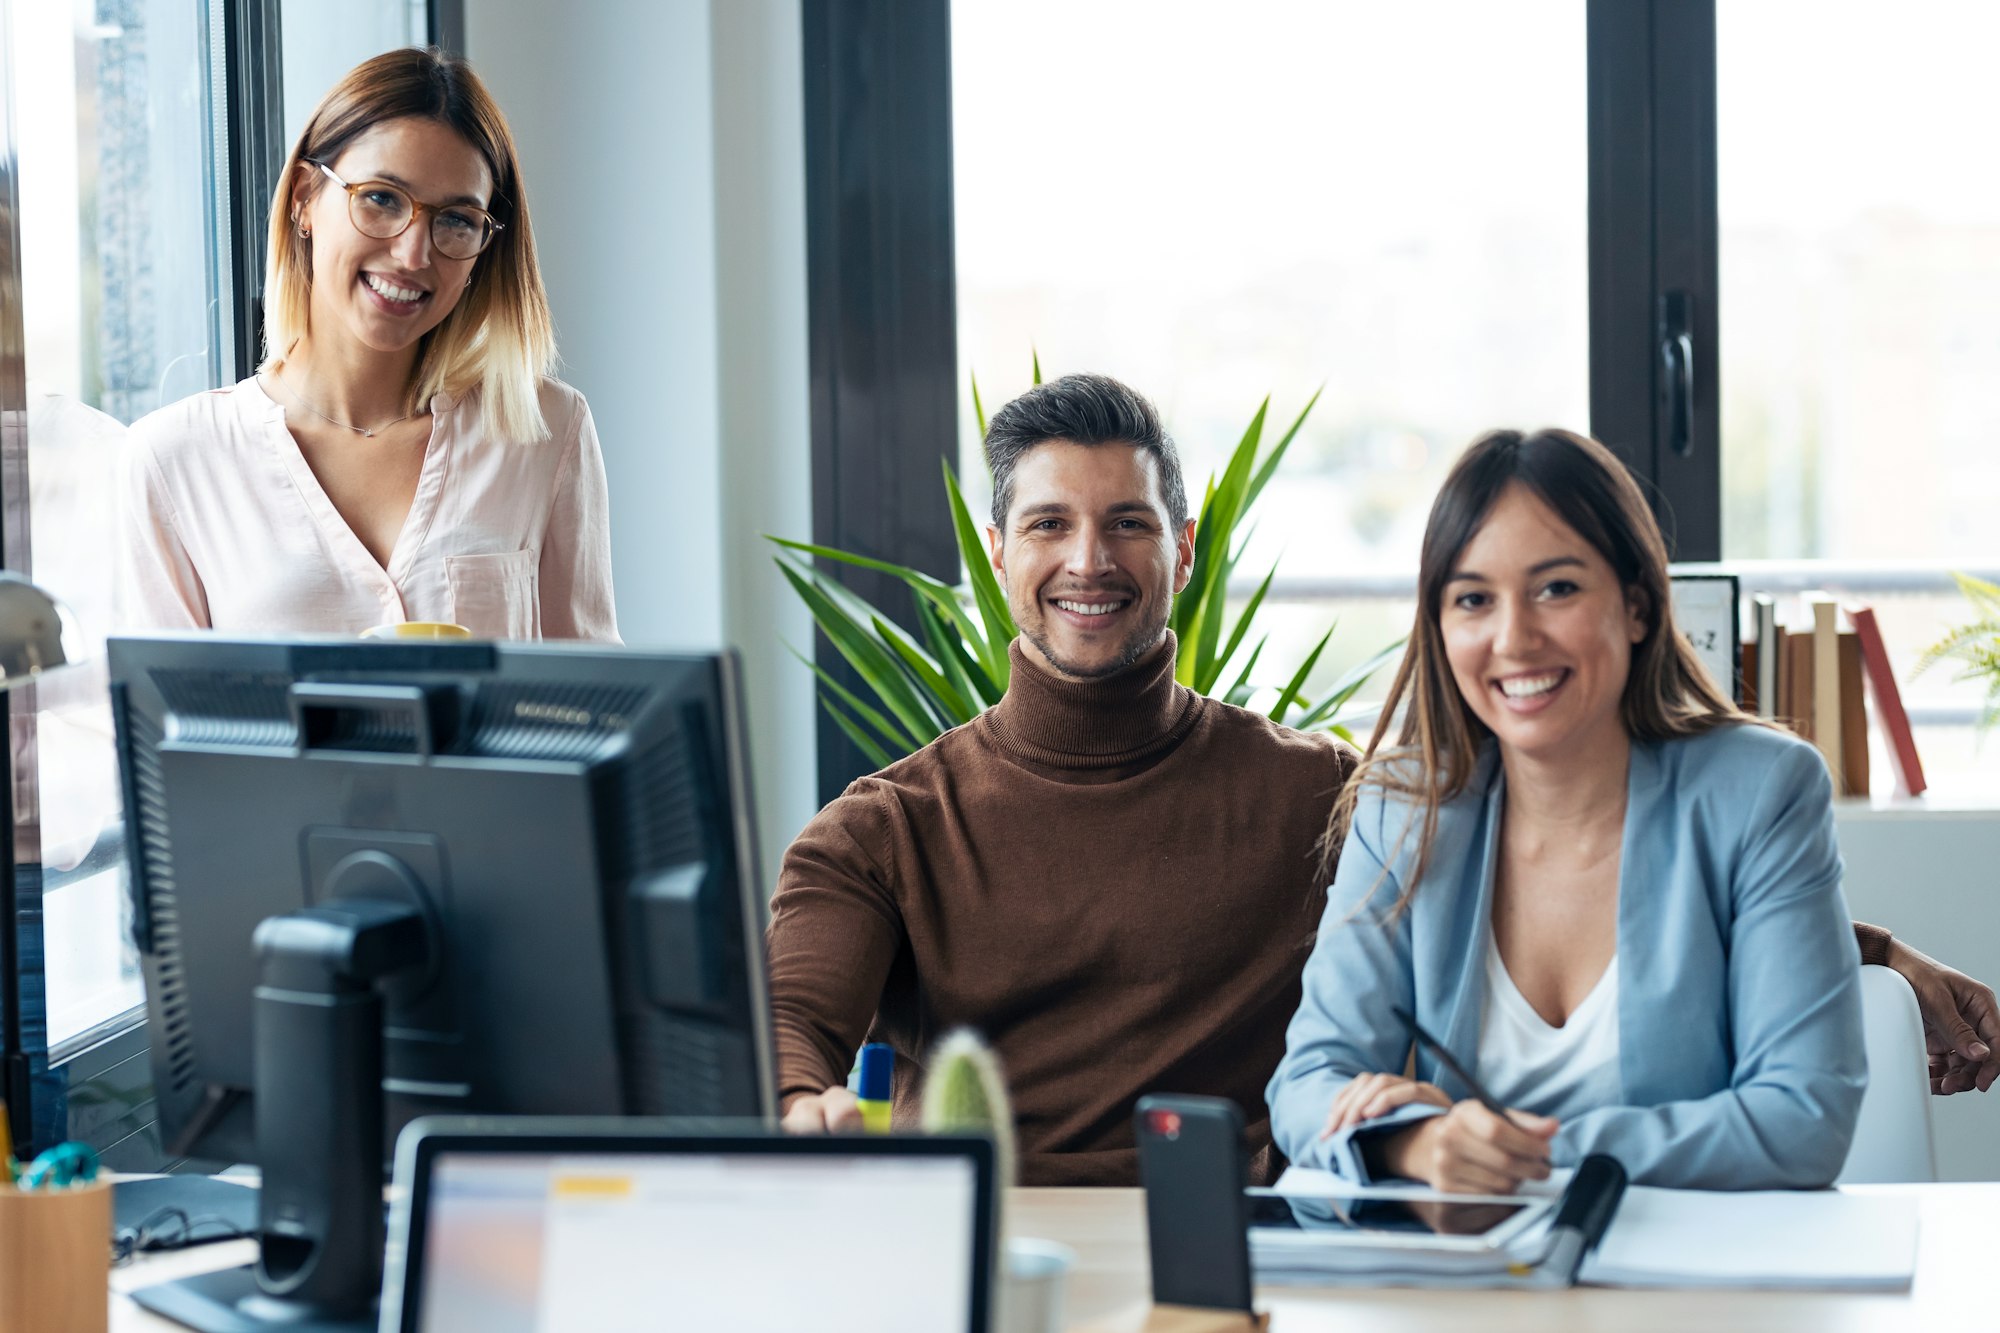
x=55 y=1259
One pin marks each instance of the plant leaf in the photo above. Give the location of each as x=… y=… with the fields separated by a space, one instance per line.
x=876 y=754
x=1984 y=596
x=831 y=688
x=1187 y=607
x=916 y=578
x=943 y=692
x=944 y=599
x=876 y=665
x=967 y=676
x=986 y=594
x=1348 y=686
x=1036 y=353
x=1298 y=681
x=1212 y=543
x=1278 y=450
x=1241 y=692
x=1249 y=614
x=978 y=410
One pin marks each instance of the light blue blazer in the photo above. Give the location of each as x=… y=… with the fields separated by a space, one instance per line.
x=1739 y=999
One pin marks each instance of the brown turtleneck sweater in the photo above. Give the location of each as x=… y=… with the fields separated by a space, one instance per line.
x=1114 y=881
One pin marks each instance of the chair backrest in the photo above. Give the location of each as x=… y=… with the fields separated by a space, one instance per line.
x=1892 y=1139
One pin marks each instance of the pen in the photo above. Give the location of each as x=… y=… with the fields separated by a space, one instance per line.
x=878 y=1061
x=1458 y=1071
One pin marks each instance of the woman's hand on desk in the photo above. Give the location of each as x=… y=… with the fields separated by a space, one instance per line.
x=1369 y=1095
x=835 y=1111
x=1470 y=1150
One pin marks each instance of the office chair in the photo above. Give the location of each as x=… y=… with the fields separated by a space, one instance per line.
x=1892 y=1139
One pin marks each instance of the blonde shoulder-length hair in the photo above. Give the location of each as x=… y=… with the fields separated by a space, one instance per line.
x=1427 y=741
x=499 y=339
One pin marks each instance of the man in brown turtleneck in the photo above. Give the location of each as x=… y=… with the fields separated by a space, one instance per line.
x=1111 y=877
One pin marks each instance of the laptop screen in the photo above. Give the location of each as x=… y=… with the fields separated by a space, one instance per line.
x=603 y=1243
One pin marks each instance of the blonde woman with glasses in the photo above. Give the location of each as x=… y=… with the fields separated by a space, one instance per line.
x=402 y=454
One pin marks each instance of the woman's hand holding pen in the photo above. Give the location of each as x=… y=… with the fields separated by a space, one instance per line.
x=1470 y=1150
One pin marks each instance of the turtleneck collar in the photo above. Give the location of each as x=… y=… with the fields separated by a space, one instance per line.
x=1077 y=726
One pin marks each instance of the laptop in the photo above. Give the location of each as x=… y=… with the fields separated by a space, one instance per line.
x=583 y=1225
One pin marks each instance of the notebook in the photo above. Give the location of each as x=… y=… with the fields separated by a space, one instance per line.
x=589 y=1226
x=1780 y=1239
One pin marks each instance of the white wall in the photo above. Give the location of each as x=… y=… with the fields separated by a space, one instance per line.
x=662 y=145
x=762 y=375
x=1933 y=877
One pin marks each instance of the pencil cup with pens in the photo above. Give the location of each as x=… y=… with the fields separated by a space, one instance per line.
x=55 y=1243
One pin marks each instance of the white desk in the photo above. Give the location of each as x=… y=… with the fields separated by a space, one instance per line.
x=1958 y=1253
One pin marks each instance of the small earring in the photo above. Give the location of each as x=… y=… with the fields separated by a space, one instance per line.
x=306 y=233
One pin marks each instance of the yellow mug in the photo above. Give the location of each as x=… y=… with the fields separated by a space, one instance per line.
x=417 y=629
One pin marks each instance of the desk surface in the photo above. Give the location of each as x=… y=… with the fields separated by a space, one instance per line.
x=1957 y=1250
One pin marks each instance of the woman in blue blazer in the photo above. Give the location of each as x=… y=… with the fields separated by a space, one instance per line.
x=1581 y=869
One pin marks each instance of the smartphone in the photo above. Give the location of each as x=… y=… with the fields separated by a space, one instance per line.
x=1195 y=1164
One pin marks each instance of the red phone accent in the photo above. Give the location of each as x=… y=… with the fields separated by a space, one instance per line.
x=1167 y=1124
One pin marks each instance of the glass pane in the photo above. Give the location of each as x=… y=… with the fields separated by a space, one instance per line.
x=321 y=40
x=1387 y=200
x=116 y=306
x=1860 y=270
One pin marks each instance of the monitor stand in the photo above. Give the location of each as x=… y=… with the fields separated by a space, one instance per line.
x=317 y=1032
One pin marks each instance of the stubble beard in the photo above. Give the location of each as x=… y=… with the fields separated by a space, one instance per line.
x=1140 y=644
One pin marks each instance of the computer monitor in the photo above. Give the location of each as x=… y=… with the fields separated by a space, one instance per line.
x=518 y=878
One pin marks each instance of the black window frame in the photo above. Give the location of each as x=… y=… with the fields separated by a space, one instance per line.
x=882 y=302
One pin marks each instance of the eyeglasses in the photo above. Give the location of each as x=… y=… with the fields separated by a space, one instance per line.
x=385 y=211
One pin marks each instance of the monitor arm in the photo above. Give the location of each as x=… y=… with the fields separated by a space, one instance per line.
x=317 y=1022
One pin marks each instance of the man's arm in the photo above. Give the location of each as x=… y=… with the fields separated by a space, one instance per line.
x=835 y=929
x=1961 y=1018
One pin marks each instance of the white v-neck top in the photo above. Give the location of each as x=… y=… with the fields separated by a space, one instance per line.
x=225 y=527
x=1558 y=1071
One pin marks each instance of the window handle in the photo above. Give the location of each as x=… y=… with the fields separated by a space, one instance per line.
x=1677 y=371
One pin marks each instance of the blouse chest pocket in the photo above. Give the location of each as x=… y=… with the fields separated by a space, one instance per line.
x=496 y=596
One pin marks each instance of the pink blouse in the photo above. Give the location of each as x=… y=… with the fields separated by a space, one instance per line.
x=225 y=527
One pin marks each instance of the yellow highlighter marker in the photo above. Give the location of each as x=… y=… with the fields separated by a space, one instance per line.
x=878 y=1061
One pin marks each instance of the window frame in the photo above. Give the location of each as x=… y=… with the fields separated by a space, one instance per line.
x=882 y=302
x=1653 y=237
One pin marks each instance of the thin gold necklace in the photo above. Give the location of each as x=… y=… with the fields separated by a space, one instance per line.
x=365 y=432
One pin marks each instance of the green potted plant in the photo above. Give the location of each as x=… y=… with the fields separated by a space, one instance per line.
x=1975 y=646
x=920 y=682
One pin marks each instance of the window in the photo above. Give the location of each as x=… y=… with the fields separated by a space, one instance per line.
x=118 y=292
x=1461 y=215
x=323 y=39
x=1859 y=273
x=143 y=136
x=1215 y=210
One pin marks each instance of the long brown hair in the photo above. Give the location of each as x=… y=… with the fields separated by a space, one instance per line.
x=499 y=338
x=1668 y=693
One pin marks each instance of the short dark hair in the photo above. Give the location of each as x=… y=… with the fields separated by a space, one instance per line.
x=1081 y=409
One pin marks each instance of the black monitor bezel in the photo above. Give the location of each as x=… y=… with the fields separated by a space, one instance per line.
x=315 y=658
x=425 y=1140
